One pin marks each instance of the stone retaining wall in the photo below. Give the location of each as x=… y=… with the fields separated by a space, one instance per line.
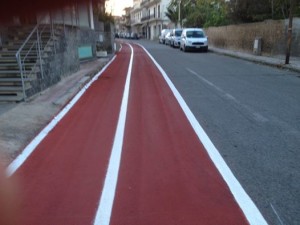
x=241 y=37
x=63 y=60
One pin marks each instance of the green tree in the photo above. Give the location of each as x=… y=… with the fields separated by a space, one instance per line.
x=173 y=10
x=280 y=8
x=244 y=11
x=205 y=13
x=172 y=13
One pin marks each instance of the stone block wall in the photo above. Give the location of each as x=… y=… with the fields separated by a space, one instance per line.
x=3 y=35
x=88 y=37
x=241 y=37
x=63 y=60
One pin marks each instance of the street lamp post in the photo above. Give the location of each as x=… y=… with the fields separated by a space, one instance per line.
x=289 y=34
x=179 y=12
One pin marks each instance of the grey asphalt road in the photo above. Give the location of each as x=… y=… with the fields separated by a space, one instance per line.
x=251 y=113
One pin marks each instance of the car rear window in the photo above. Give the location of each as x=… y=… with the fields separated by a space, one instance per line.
x=195 y=34
x=178 y=33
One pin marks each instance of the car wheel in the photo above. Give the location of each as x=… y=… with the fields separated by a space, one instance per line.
x=206 y=49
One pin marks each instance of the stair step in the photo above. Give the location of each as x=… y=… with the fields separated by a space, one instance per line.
x=16 y=47
x=15 y=79
x=4 y=58
x=8 y=63
x=15 y=68
x=16 y=97
x=13 y=60
x=8 y=57
x=8 y=89
x=14 y=64
x=14 y=88
x=12 y=52
x=12 y=67
x=11 y=72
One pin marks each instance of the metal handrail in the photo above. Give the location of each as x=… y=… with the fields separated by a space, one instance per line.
x=27 y=39
x=37 y=43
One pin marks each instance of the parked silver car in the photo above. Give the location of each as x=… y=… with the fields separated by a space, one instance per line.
x=193 y=39
x=168 y=38
x=162 y=35
x=175 y=37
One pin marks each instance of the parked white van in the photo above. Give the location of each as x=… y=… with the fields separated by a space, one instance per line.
x=162 y=36
x=193 y=39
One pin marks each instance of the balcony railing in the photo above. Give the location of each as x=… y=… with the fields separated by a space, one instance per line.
x=151 y=17
x=144 y=2
x=135 y=21
x=149 y=2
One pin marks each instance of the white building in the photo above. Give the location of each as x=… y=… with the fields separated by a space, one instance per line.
x=148 y=17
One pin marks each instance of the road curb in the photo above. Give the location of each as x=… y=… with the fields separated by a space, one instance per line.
x=71 y=92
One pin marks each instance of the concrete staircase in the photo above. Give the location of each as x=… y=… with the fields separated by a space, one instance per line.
x=15 y=86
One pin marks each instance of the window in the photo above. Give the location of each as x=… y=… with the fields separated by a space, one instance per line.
x=194 y=34
x=154 y=11
x=178 y=33
x=158 y=11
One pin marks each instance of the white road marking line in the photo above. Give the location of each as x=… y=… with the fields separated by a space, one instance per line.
x=260 y=118
x=229 y=96
x=16 y=164
x=278 y=217
x=206 y=81
x=248 y=207
x=108 y=193
x=255 y=115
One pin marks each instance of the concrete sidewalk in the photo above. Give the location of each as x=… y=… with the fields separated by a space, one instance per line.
x=21 y=122
x=277 y=61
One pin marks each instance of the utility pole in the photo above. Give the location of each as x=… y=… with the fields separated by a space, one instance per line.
x=289 y=34
x=179 y=12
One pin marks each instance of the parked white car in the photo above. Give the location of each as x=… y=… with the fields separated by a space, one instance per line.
x=162 y=36
x=193 y=39
x=168 y=38
x=175 y=37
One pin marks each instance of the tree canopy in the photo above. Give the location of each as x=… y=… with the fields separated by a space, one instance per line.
x=205 y=13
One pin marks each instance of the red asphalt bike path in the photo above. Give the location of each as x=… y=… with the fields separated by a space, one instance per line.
x=61 y=181
x=166 y=175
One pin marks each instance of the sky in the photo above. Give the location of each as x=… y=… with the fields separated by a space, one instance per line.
x=116 y=7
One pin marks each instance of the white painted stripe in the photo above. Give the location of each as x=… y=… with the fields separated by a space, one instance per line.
x=250 y=210
x=206 y=81
x=108 y=193
x=256 y=116
x=16 y=164
x=278 y=217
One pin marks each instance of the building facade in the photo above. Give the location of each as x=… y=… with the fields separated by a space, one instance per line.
x=148 y=17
